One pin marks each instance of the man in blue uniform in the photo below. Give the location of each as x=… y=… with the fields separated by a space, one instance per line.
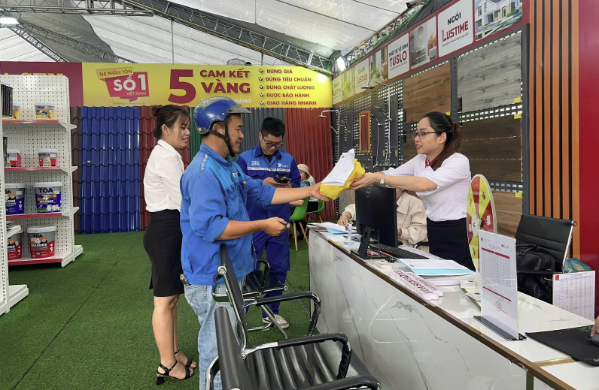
x=214 y=193
x=274 y=167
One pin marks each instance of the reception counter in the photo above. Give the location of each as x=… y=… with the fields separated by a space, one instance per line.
x=408 y=343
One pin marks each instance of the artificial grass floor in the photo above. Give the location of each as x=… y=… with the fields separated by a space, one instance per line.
x=88 y=325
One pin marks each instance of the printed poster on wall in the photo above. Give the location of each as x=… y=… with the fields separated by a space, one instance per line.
x=156 y=84
x=491 y=16
x=455 y=27
x=379 y=70
x=349 y=89
x=399 y=58
x=337 y=89
x=423 y=43
x=361 y=73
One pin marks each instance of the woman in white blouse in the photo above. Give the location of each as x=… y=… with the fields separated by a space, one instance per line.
x=441 y=178
x=163 y=237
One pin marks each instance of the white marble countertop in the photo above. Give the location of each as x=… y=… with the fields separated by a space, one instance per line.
x=533 y=316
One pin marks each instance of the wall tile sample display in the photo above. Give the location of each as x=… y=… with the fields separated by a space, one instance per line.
x=428 y=91
x=494 y=147
x=491 y=76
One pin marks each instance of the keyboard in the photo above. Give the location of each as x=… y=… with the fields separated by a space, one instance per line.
x=396 y=252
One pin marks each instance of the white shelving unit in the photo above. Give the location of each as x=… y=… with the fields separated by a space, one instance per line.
x=6 y=291
x=28 y=135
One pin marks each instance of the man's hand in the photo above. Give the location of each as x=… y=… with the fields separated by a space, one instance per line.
x=344 y=220
x=274 y=226
x=399 y=231
x=315 y=192
x=595 y=327
x=366 y=180
x=269 y=181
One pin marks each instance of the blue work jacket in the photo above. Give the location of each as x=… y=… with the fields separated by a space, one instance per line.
x=214 y=191
x=254 y=163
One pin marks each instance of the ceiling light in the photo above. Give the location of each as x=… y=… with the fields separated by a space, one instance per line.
x=340 y=64
x=8 y=20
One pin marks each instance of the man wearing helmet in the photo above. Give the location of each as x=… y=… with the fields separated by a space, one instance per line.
x=215 y=192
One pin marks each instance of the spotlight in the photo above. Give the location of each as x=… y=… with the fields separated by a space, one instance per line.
x=341 y=64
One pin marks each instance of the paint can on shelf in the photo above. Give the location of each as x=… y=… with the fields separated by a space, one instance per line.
x=16 y=110
x=47 y=157
x=15 y=245
x=42 y=241
x=44 y=111
x=47 y=196
x=14 y=198
x=14 y=158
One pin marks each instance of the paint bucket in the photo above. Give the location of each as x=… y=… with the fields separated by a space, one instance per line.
x=47 y=196
x=14 y=157
x=16 y=110
x=44 y=111
x=47 y=157
x=15 y=245
x=42 y=241
x=14 y=198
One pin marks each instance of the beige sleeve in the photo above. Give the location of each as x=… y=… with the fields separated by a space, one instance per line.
x=416 y=232
x=351 y=208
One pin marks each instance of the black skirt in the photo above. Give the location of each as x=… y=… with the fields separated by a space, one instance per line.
x=162 y=242
x=449 y=240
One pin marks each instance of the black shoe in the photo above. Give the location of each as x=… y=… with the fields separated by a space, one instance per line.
x=161 y=375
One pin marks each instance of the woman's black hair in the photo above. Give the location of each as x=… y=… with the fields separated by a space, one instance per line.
x=168 y=115
x=442 y=123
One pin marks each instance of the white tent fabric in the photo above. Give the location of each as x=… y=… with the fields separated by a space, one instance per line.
x=330 y=24
x=148 y=40
x=15 y=48
x=338 y=24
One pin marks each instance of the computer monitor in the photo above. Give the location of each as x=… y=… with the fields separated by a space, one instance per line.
x=376 y=214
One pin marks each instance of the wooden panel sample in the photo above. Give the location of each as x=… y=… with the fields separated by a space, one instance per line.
x=502 y=127
x=494 y=147
x=491 y=76
x=493 y=170
x=509 y=211
x=427 y=91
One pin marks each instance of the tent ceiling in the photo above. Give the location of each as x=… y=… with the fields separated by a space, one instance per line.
x=336 y=24
x=322 y=26
x=14 y=48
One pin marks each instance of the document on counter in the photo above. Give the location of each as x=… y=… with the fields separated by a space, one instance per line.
x=334 y=228
x=340 y=173
x=433 y=267
x=499 y=285
x=575 y=292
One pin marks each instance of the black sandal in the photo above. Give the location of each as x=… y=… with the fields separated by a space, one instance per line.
x=161 y=375
x=189 y=361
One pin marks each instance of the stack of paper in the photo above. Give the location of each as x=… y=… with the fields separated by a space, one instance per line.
x=432 y=267
x=333 y=228
x=340 y=173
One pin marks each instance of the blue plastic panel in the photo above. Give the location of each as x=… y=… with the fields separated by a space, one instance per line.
x=110 y=169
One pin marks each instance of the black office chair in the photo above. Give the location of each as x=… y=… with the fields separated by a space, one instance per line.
x=554 y=235
x=292 y=363
x=257 y=284
x=235 y=375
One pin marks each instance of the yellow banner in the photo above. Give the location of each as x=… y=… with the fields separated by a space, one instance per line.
x=158 y=84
